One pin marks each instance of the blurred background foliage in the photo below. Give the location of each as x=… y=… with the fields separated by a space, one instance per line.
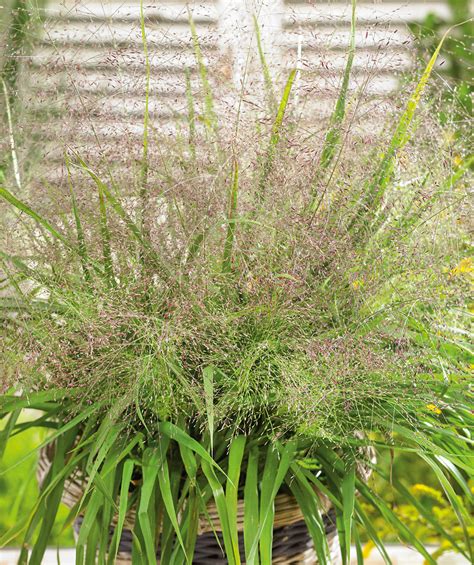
x=18 y=484
x=457 y=71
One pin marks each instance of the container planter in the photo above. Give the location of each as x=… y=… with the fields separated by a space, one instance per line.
x=292 y=542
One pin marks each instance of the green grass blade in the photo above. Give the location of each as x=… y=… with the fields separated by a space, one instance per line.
x=423 y=510
x=106 y=238
x=307 y=501
x=267 y=506
x=181 y=437
x=106 y=515
x=8 y=403
x=267 y=79
x=192 y=531
x=455 y=474
x=52 y=501
x=236 y=453
x=167 y=496
x=377 y=187
x=86 y=533
x=425 y=444
x=127 y=473
x=187 y=387
x=105 y=448
x=464 y=518
x=137 y=551
x=195 y=245
x=93 y=542
x=192 y=510
x=210 y=117
x=7 y=430
x=271 y=482
x=251 y=505
x=208 y=379
x=121 y=454
x=333 y=135
x=232 y=552
x=231 y=220
x=82 y=416
x=81 y=241
x=30 y=523
x=189 y=461
x=358 y=546
x=447 y=186
x=122 y=214
x=275 y=137
x=104 y=229
x=146 y=119
x=322 y=488
x=348 y=500
x=152 y=461
x=191 y=114
x=22 y=207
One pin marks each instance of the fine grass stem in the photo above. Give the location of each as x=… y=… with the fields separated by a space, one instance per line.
x=231 y=219
x=267 y=78
x=274 y=138
x=11 y=137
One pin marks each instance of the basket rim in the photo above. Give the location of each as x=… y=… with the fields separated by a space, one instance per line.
x=287 y=510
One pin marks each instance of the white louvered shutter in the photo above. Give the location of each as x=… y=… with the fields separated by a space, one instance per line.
x=86 y=76
x=87 y=81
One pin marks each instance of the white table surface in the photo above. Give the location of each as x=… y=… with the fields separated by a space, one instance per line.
x=399 y=555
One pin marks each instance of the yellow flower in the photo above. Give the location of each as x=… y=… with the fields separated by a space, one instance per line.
x=465 y=267
x=425 y=490
x=357 y=284
x=433 y=408
x=457 y=160
x=367 y=549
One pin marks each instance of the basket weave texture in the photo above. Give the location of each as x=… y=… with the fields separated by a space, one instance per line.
x=292 y=543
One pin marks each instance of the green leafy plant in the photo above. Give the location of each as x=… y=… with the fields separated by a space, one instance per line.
x=265 y=328
x=430 y=516
x=457 y=65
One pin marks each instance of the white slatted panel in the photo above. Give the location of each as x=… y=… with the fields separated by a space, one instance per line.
x=385 y=47
x=89 y=65
x=86 y=76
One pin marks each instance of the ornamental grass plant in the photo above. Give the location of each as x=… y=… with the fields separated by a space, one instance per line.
x=255 y=323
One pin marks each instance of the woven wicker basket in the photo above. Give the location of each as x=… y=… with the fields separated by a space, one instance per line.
x=292 y=544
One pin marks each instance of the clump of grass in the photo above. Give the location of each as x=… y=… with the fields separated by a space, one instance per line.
x=240 y=316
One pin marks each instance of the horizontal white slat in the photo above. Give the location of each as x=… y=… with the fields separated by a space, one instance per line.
x=102 y=107
x=370 y=37
x=81 y=57
x=167 y=84
x=371 y=83
x=123 y=33
x=112 y=127
x=330 y=13
x=130 y=11
x=388 y=59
